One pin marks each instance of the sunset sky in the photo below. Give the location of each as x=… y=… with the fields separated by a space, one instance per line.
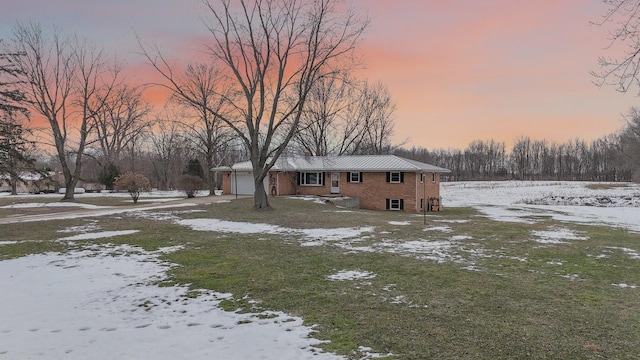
x=458 y=70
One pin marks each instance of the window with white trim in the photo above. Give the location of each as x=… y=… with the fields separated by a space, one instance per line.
x=311 y=178
x=354 y=177
x=395 y=177
x=433 y=177
x=395 y=204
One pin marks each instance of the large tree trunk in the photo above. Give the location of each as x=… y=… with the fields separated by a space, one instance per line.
x=14 y=186
x=69 y=181
x=69 y=192
x=260 y=198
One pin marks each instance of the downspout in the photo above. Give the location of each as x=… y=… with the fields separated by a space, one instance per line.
x=424 y=198
x=235 y=180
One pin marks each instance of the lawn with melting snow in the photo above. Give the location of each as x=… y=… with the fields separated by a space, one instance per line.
x=465 y=285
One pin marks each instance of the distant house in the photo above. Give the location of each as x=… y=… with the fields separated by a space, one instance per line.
x=379 y=182
x=30 y=182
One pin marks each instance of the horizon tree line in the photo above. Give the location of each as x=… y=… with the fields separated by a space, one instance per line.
x=614 y=157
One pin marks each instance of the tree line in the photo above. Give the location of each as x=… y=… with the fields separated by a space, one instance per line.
x=615 y=157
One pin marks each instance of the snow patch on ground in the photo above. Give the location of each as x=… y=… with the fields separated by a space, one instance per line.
x=52 y=205
x=98 y=235
x=314 y=199
x=368 y=354
x=460 y=237
x=625 y=286
x=556 y=236
x=438 y=251
x=343 y=275
x=154 y=200
x=319 y=237
x=633 y=254
x=312 y=237
x=103 y=304
x=231 y=226
x=90 y=226
x=452 y=221
x=400 y=223
x=444 y=229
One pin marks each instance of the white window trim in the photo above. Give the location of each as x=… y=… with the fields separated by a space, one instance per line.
x=303 y=178
x=397 y=204
x=357 y=175
x=398 y=173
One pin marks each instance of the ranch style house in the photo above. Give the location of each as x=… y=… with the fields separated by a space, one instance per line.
x=377 y=182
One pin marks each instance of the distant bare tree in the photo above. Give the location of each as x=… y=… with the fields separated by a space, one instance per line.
x=346 y=116
x=630 y=139
x=272 y=53
x=169 y=150
x=120 y=119
x=63 y=78
x=324 y=125
x=202 y=85
x=376 y=109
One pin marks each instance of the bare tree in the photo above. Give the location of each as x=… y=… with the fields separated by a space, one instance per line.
x=203 y=85
x=622 y=70
x=629 y=139
x=169 y=150
x=120 y=119
x=376 y=109
x=63 y=76
x=271 y=53
x=323 y=124
x=346 y=116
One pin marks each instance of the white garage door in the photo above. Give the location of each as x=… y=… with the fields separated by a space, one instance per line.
x=243 y=181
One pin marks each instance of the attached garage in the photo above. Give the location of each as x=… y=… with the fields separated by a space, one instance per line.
x=243 y=182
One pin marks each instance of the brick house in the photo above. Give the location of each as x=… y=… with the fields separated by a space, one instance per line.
x=379 y=182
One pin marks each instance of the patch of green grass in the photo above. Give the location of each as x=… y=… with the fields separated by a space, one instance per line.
x=501 y=294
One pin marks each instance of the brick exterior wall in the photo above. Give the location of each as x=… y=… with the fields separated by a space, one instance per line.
x=286 y=183
x=372 y=191
x=226 y=182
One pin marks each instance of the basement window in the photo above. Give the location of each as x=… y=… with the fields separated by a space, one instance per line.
x=395 y=204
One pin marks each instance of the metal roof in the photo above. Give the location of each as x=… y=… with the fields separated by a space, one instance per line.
x=371 y=163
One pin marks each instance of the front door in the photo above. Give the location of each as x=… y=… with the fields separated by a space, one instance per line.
x=335 y=182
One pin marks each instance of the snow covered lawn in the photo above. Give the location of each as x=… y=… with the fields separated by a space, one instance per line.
x=506 y=277
x=104 y=303
x=526 y=201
